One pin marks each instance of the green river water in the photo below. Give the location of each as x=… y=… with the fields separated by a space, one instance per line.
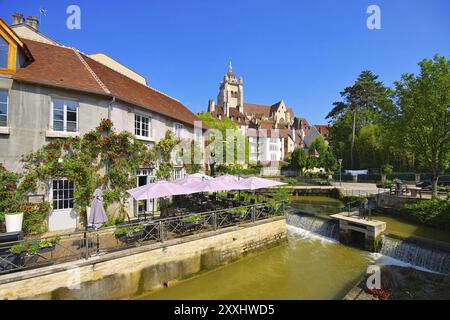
x=306 y=267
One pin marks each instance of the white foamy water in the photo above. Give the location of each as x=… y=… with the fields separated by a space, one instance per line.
x=309 y=235
x=383 y=260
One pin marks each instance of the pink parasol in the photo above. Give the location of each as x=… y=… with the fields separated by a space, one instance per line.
x=254 y=183
x=159 y=189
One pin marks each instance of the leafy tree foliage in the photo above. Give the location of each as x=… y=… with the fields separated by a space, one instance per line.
x=421 y=118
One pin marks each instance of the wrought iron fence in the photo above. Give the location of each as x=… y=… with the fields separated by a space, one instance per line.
x=18 y=255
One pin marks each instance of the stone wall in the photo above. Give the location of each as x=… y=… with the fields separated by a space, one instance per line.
x=132 y=272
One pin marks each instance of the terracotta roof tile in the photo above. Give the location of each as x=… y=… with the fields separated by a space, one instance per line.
x=55 y=65
x=238 y=117
x=63 y=67
x=257 y=109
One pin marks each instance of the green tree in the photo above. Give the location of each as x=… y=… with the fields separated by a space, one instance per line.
x=326 y=158
x=299 y=160
x=366 y=94
x=421 y=118
x=223 y=125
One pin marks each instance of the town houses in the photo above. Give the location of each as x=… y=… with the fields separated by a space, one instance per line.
x=51 y=91
x=273 y=130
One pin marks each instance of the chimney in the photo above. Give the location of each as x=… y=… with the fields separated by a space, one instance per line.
x=17 y=18
x=211 y=105
x=33 y=22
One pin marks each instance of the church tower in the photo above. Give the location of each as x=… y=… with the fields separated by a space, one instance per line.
x=231 y=94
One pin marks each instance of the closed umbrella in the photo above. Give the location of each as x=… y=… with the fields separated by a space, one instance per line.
x=97 y=214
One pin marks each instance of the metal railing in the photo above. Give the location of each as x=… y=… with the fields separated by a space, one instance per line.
x=90 y=243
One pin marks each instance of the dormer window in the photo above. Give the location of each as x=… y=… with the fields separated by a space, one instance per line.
x=12 y=49
x=4 y=48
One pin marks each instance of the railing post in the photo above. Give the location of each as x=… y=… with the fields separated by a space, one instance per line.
x=86 y=245
x=253 y=214
x=214 y=217
x=161 y=231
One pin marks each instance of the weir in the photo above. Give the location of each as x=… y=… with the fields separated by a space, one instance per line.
x=361 y=232
x=410 y=251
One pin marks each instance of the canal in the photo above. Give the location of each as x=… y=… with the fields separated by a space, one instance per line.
x=308 y=266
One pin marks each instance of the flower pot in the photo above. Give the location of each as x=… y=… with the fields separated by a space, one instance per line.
x=46 y=249
x=14 y=222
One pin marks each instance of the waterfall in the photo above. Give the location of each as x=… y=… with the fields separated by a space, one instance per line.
x=321 y=227
x=406 y=251
x=416 y=255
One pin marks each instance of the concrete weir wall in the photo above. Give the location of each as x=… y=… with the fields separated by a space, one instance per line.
x=131 y=272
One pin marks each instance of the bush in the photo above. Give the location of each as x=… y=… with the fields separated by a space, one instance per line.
x=433 y=212
x=336 y=193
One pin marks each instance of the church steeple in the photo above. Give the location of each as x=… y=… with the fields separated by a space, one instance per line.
x=230 y=68
x=231 y=94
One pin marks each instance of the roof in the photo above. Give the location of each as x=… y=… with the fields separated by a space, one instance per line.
x=257 y=109
x=323 y=129
x=238 y=117
x=68 y=68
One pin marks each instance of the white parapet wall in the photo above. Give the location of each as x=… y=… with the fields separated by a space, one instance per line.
x=134 y=271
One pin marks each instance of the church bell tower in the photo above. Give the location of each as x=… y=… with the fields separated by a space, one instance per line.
x=231 y=93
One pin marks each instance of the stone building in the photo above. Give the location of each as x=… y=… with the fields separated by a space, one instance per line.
x=48 y=91
x=278 y=119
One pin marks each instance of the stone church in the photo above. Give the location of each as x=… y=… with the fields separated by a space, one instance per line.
x=230 y=103
x=277 y=119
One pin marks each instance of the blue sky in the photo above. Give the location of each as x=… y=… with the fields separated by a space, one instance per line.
x=304 y=52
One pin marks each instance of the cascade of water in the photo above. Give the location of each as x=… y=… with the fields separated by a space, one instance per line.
x=325 y=228
x=412 y=253
x=417 y=255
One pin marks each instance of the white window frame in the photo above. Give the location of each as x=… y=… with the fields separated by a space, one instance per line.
x=64 y=115
x=7 y=107
x=178 y=173
x=53 y=198
x=150 y=127
x=181 y=127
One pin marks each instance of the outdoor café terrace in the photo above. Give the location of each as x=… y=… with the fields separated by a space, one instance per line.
x=195 y=204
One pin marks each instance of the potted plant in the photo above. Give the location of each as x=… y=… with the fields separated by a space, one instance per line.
x=193 y=221
x=48 y=245
x=130 y=232
x=13 y=221
x=35 y=247
x=237 y=213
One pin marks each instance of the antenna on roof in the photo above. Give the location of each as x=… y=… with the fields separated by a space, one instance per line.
x=42 y=13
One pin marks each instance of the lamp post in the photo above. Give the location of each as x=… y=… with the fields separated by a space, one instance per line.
x=340 y=172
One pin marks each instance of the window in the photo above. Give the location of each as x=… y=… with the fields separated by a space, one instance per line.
x=178 y=173
x=142 y=125
x=4 y=47
x=3 y=108
x=62 y=194
x=65 y=115
x=178 y=130
x=273 y=157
